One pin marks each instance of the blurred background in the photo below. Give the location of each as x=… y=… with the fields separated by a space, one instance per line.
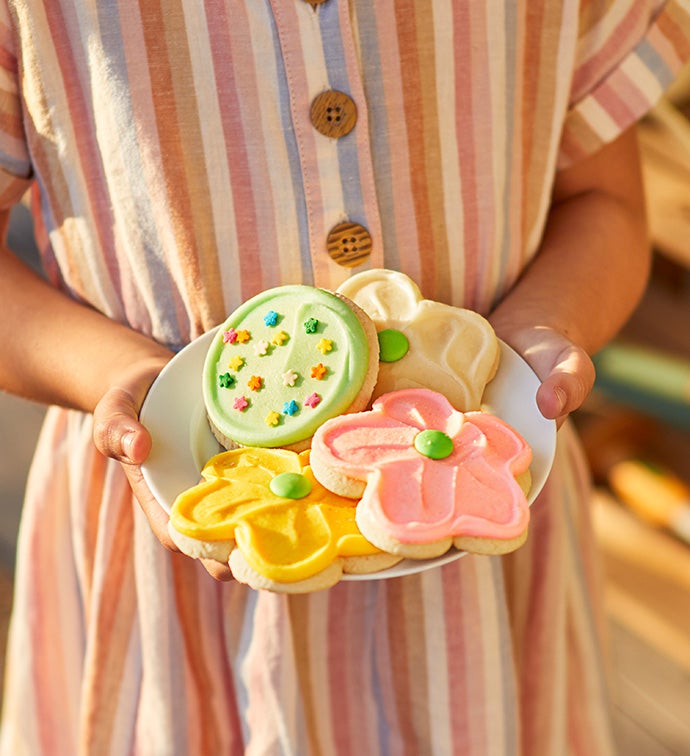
x=636 y=431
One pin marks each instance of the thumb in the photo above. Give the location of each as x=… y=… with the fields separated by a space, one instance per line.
x=567 y=384
x=117 y=431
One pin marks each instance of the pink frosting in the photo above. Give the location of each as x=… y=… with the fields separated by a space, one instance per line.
x=415 y=499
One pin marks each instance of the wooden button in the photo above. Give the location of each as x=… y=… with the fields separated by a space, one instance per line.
x=349 y=244
x=333 y=113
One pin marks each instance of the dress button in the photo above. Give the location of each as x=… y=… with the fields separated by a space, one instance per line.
x=333 y=113
x=349 y=244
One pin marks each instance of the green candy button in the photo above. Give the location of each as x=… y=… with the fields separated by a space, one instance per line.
x=290 y=485
x=434 y=444
x=393 y=345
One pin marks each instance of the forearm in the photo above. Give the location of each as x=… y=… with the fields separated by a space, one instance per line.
x=588 y=276
x=593 y=263
x=56 y=351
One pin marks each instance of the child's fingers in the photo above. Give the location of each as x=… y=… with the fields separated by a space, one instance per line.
x=217 y=570
x=567 y=385
x=117 y=431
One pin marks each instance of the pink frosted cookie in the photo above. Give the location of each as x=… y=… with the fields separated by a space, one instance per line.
x=284 y=362
x=428 y=475
x=425 y=344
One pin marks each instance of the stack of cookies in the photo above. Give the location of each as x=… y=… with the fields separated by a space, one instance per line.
x=354 y=437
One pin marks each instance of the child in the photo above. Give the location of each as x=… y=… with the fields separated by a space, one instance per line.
x=189 y=155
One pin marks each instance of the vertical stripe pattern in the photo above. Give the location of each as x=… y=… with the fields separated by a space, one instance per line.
x=178 y=173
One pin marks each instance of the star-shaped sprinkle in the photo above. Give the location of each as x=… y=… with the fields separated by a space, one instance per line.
x=290 y=408
x=226 y=380
x=236 y=363
x=261 y=348
x=289 y=377
x=271 y=318
x=273 y=418
x=243 y=337
x=230 y=336
x=312 y=400
x=319 y=371
x=280 y=338
x=324 y=346
x=241 y=403
x=311 y=325
x=255 y=383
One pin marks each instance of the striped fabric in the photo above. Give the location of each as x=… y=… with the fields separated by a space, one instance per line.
x=177 y=173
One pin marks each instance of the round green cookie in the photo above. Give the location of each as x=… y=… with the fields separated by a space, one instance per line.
x=282 y=364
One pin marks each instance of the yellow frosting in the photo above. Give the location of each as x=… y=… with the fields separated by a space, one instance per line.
x=284 y=539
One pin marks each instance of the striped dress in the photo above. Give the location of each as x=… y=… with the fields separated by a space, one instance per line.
x=177 y=171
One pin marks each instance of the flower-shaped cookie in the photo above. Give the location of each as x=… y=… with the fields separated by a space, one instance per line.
x=266 y=504
x=425 y=343
x=429 y=476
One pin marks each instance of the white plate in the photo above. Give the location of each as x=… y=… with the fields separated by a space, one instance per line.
x=182 y=441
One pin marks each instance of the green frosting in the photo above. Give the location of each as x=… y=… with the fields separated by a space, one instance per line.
x=393 y=345
x=289 y=485
x=434 y=444
x=284 y=357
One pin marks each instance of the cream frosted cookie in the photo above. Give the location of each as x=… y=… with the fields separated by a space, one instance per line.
x=262 y=511
x=425 y=344
x=428 y=475
x=283 y=363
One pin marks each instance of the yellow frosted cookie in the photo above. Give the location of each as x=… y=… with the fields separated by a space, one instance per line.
x=263 y=512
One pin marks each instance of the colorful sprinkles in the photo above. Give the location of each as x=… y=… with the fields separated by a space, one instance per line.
x=290 y=408
x=263 y=345
x=325 y=346
x=273 y=418
x=312 y=400
x=311 y=325
x=271 y=319
x=261 y=348
x=280 y=338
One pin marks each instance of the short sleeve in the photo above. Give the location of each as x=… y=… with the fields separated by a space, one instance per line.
x=15 y=165
x=627 y=57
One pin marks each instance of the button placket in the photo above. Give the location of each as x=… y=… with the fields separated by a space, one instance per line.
x=334 y=114
x=325 y=187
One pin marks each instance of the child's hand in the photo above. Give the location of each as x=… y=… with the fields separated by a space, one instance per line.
x=119 y=434
x=565 y=370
